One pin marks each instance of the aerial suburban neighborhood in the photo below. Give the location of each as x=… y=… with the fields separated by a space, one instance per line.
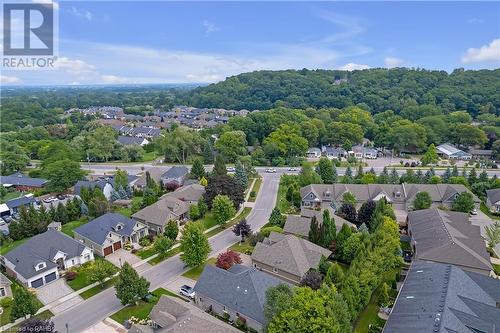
x=256 y=167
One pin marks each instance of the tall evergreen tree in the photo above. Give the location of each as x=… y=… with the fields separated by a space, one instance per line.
x=240 y=175
x=197 y=170
x=394 y=177
x=454 y=172
x=446 y=175
x=472 y=176
x=329 y=229
x=347 y=179
x=383 y=178
x=325 y=170
x=219 y=166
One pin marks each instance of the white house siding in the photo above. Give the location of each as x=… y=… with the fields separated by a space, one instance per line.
x=42 y=275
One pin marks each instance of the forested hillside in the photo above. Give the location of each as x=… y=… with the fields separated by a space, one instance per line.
x=379 y=89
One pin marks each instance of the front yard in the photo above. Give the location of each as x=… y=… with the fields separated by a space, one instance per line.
x=243 y=247
x=195 y=272
x=82 y=278
x=97 y=289
x=142 y=309
x=70 y=226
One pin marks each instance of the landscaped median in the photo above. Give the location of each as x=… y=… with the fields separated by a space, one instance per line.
x=142 y=309
x=255 y=189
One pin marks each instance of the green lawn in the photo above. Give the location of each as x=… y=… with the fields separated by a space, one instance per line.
x=485 y=210
x=97 y=289
x=195 y=272
x=125 y=211
x=496 y=269
x=229 y=224
x=284 y=205
x=70 y=226
x=255 y=188
x=147 y=157
x=8 y=246
x=244 y=247
x=81 y=279
x=5 y=316
x=10 y=196
x=208 y=220
x=142 y=309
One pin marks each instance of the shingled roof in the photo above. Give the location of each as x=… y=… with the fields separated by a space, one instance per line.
x=97 y=230
x=162 y=211
x=448 y=237
x=444 y=298
x=493 y=195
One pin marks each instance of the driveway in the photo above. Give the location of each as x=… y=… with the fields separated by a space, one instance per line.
x=53 y=291
x=124 y=256
x=175 y=284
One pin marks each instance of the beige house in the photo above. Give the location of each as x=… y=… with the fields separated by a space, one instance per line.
x=287 y=256
x=5 y=289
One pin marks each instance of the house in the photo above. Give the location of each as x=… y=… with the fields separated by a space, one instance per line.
x=107 y=233
x=333 y=152
x=240 y=292
x=441 y=194
x=154 y=173
x=5 y=286
x=287 y=256
x=361 y=152
x=450 y=152
x=105 y=183
x=157 y=215
x=175 y=175
x=22 y=182
x=130 y=140
x=313 y=153
x=299 y=225
x=481 y=154
x=173 y=315
x=39 y=260
x=448 y=237
x=13 y=206
x=445 y=298
x=190 y=194
x=493 y=200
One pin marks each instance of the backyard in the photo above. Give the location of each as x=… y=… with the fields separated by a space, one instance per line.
x=10 y=195
x=70 y=226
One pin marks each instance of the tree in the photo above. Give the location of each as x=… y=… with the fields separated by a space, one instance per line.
x=120 y=179
x=287 y=141
x=465 y=135
x=430 y=156
x=347 y=179
x=132 y=153
x=464 y=203
x=325 y=170
x=240 y=175
x=493 y=234
x=25 y=303
x=348 y=198
x=37 y=325
x=334 y=275
x=203 y=181
x=3 y=192
x=312 y=279
x=351 y=247
x=278 y=299
x=99 y=271
x=231 y=145
x=308 y=176
x=226 y=260
x=277 y=218
x=329 y=230
x=341 y=132
x=163 y=244
x=348 y=212
x=62 y=174
x=219 y=166
x=422 y=200
x=194 y=244
x=171 y=230
x=242 y=229
x=223 y=209
x=180 y=145
x=315 y=235
x=366 y=211
x=129 y=286
x=197 y=169
x=384 y=295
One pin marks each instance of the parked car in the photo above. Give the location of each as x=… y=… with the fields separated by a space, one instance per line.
x=61 y=196
x=271 y=170
x=187 y=291
x=474 y=211
x=50 y=199
x=293 y=169
x=230 y=169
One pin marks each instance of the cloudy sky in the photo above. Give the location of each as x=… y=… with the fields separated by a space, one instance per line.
x=169 y=42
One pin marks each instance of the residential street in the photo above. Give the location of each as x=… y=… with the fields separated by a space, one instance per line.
x=95 y=309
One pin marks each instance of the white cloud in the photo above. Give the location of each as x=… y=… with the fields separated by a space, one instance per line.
x=352 y=67
x=9 y=79
x=486 y=53
x=392 y=62
x=210 y=27
x=475 y=20
x=74 y=66
x=113 y=79
x=81 y=13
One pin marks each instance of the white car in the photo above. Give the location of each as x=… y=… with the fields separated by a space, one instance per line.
x=50 y=199
x=230 y=169
x=292 y=169
x=187 y=291
x=271 y=170
x=474 y=211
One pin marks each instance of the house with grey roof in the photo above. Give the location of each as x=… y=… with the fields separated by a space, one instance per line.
x=39 y=260
x=299 y=225
x=313 y=153
x=13 y=206
x=239 y=291
x=287 y=256
x=493 y=200
x=445 y=299
x=190 y=194
x=109 y=232
x=131 y=140
x=22 y=182
x=173 y=315
x=175 y=175
x=448 y=237
x=361 y=152
x=333 y=152
x=5 y=286
x=105 y=183
x=154 y=173
x=449 y=151
x=157 y=215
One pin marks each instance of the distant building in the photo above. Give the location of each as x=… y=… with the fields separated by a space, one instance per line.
x=299 y=225
x=450 y=152
x=361 y=152
x=175 y=175
x=444 y=298
x=13 y=206
x=493 y=200
x=313 y=153
x=481 y=154
x=22 y=182
x=131 y=140
x=333 y=152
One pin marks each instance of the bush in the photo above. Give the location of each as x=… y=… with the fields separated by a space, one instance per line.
x=252 y=194
x=256 y=237
x=6 y=302
x=144 y=241
x=71 y=275
x=127 y=246
x=267 y=230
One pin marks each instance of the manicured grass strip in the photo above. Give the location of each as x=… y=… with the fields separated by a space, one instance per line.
x=496 y=269
x=142 y=309
x=208 y=220
x=195 y=272
x=70 y=226
x=81 y=279
x=244 y=247
x=255 y=189
x=97 y=289
x=237 y=219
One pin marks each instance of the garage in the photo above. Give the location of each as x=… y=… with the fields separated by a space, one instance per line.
x=37 y=283
x=117 y=246
x=108 y=250
x=50 y=277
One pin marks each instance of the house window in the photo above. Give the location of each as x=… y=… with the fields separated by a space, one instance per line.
x=3 y=292
x=87 y=257
x=40 y=266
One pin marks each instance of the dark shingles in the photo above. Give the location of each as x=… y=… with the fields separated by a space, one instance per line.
x=97 y=230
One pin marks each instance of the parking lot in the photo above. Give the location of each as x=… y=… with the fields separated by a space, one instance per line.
x=52 y=200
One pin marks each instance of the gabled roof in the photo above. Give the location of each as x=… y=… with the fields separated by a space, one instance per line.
x=192 y=192
x=18 y=179
x=448 y=237
x=21 y=201
x=88 y=184
x=450 y=150
x=176 y=172
x=97 y=230
x=241 y=288
x=165 y=209
x=493 y=195
x=43 y=247
x=130 y=140
x=173 y=315
x=300 y=225
x=289 y=253
x=4 y=280
x=444 y=298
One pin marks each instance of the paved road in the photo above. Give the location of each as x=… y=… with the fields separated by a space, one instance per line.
x=95 y=309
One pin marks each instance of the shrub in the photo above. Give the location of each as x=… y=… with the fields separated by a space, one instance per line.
x=256 y=237
x=6 y=302
x=144 y=241
x=252 y=194
x=267 y=230
x=71 y=275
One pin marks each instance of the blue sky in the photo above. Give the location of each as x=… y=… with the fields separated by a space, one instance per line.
x=169 y=42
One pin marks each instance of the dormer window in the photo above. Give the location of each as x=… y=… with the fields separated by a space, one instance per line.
x=397 y=194
x=119 y=226
x=40 y=265
x=328 y=194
